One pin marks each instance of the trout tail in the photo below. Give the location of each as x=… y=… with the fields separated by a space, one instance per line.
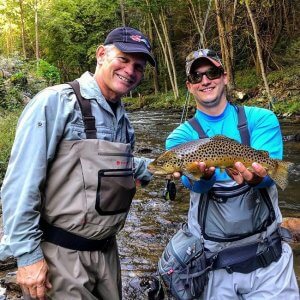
x=281 y=172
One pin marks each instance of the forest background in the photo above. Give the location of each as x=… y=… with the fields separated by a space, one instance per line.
x=45 y=42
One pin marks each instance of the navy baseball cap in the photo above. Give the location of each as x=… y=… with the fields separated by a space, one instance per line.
x=130 y=40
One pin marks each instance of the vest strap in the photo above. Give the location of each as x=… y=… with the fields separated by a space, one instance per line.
x=242 y=126
x=245 y=259
x=86 y=110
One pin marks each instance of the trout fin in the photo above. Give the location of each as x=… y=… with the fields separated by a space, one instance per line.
x=192 y=171
x=281 y=172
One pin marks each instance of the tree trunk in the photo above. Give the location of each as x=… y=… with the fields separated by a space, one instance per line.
x=154 y=70
x=259 y=52
x=226 y=57
x=37 y=50
x=198 y=21
x=162 y=18
x=165 y=52
x=22 y=27
x=122 y=12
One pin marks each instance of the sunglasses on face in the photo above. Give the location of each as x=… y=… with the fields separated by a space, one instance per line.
x=202 y=53
x=211 y=74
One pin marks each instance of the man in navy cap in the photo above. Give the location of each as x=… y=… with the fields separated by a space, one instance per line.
x=66 y=196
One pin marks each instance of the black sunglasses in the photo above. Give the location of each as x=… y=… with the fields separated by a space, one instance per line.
x=211 y=74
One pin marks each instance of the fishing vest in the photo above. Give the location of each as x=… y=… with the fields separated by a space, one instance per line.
x=228 y=212
x=89 y=188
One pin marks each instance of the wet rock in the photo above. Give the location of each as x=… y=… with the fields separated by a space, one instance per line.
x=293 y=225
x=144 y=150
x=8 y=263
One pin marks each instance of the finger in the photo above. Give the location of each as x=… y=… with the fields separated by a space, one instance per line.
x=176 y=175
x=259 y=170
x=32 y=292
x=231 y=172
x=246 y=174
x=235 y=175
x=25 y=291
x=41 y=292
x=48 y=285
x=209 y=172
x=202 y=166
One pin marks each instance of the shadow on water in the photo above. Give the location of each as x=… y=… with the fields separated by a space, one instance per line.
x=152 y=220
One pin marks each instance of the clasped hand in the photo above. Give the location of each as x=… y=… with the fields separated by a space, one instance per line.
x=33 y=280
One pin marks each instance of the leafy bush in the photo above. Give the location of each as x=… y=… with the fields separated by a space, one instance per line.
x=13 y=99
x=19 y=79
x=247 y=79
x=48 y=71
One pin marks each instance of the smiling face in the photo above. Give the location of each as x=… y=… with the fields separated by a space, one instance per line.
x=117 y=73
x=210 y=95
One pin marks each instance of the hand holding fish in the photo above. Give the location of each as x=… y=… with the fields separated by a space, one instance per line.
x=240 y=173
x=197 y=160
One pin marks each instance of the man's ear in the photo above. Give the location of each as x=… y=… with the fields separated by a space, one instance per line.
x=100 y=53
x=188 y=85
x=225 y=78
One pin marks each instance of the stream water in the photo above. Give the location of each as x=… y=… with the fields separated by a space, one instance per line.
x=152 y=220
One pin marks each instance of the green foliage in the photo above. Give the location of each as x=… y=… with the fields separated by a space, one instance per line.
x=8 y=126
x=19 y=79
x=12 y=100
x=287 y=108
x=47 y=71
x=247 y=79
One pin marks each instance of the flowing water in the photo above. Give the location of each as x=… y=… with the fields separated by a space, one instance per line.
x=152 y=220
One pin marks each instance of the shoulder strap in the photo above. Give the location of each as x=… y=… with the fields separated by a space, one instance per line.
x=197 y=127
x=243 y=125
x=86 y=110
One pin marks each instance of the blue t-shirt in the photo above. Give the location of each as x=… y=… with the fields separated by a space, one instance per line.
x=264 y=132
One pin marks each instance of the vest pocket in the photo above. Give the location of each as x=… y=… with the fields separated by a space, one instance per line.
x=115 y=191
x=226 y=217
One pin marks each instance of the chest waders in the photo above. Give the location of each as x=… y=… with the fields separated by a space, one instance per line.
x=239 y=213
x=89 y=189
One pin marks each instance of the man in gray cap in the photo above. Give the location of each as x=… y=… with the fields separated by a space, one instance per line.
x=71 y=177
x=235 y=214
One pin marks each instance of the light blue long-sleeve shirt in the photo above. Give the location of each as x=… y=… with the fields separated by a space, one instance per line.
x=264 y=131
x=52 y=115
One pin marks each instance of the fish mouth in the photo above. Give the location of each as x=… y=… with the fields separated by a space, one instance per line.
x=157 y=171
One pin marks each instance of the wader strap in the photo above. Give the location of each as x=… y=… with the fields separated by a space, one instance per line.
x=245 y=259
x=66 y=239
x=197 y=127
x=86 y=110
x=242 y=126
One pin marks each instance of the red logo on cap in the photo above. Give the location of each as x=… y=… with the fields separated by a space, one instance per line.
x=136 y=38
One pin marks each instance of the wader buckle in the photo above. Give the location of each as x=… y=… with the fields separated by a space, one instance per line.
x=270 y=254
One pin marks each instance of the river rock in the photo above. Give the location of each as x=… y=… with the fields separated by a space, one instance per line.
x=293 y=225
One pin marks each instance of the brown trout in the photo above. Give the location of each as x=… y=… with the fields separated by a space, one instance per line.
x=220 y=152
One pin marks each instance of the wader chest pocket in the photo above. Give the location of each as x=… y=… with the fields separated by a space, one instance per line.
x=115 y=191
